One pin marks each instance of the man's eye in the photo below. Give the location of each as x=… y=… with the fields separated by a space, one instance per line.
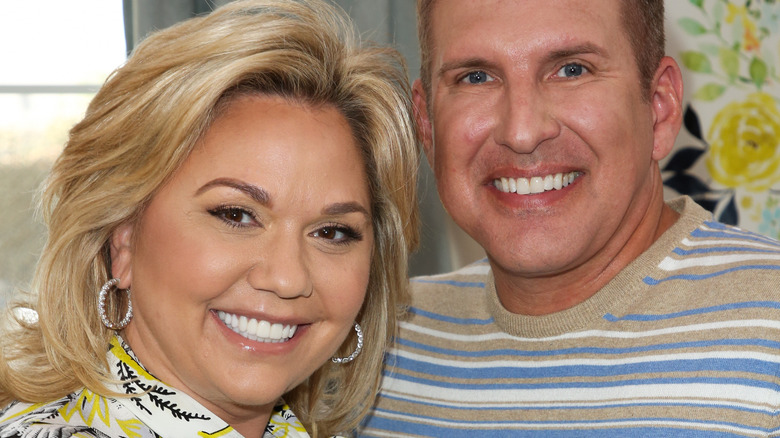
x=571 y=71
x=477 y=77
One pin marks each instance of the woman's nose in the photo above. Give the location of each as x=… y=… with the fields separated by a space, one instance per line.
x=282 y=268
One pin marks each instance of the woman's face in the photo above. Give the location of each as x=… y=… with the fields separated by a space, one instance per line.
x=250 y=265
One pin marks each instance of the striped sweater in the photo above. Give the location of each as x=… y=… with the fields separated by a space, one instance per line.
x=685 y=341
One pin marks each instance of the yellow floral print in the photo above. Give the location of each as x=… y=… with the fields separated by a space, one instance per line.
x=745 y=144
x=751 y=41
x=88 y=405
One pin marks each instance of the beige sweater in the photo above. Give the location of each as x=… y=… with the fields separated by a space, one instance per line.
x=685 y=341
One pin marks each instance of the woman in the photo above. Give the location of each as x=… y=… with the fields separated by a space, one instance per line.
x=235 y=209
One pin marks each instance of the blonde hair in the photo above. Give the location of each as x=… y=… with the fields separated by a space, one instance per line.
x=142 y=125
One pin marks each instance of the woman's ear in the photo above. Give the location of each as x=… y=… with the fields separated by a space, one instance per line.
x=122 y=255
x=666 y=99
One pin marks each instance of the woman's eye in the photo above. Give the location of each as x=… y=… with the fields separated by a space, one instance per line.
x=477 y=77
x=337 y=234
x=234 y=216
x=571 y=71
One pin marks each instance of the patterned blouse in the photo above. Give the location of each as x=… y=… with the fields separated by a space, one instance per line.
x=152 y=410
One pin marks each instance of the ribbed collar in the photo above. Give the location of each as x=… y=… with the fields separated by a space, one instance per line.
x=613 y=298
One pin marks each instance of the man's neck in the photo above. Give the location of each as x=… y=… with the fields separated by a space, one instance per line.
x=546 y=294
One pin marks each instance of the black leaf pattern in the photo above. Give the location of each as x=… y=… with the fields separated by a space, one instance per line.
x=730 y=214
x=687 y=184
x=707 y=204
x=683 y=159
x=154 y=393
x=691 y=122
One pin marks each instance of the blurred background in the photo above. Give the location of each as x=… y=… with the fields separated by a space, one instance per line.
x=56 y=54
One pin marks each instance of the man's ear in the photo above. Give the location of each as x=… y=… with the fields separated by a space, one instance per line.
x=419 y=98
x=122 y=254
x=666 y=100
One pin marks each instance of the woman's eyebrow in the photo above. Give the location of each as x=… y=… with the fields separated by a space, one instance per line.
x=344 y=208
x=259 y=194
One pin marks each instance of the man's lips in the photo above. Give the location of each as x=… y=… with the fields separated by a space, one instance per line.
x=535 y=184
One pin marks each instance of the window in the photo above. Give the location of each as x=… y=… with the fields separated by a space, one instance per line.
x=55 y=55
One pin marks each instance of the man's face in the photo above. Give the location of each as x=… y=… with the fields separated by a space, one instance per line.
x=541 y=140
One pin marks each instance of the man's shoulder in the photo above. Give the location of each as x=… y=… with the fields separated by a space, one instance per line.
x=463 y=287
x=703 y=252
x=474 y=275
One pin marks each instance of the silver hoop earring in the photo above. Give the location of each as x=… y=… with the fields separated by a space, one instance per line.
x=102 y=306
x=351 y=357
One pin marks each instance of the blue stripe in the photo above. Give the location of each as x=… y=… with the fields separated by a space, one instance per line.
x=717 y=249
x=593 y=407
x=450 y=319
x=700 y=311
x=653 y=281
x=501 y=374
x=740 y=232
x=449 y=282
x=516 y=352
x=733 y=234
x=552 y=428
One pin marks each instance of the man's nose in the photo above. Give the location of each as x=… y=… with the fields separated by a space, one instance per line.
x=524 y=119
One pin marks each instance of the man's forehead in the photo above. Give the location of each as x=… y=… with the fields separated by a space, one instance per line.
x=472 y=28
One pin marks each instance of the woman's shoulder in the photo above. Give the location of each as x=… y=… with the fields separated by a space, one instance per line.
x=82 y=414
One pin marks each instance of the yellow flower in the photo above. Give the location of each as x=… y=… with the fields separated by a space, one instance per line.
x=735 y=11
x=750 y=40
x=745 y=144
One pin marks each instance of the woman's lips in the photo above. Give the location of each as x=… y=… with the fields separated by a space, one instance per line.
x=258 y=330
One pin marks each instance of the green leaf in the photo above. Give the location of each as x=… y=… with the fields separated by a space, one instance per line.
x=758 y=71
x=738 y=32
x=697 y=3
x=718 y=12
x=691 y=26
x=729 y=61
x=709 y=92
x=696 y=61
x=710 y=49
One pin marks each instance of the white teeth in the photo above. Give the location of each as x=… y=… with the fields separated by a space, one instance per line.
x=548 y=182
x=261 y=331
x=523 y=186
x=536 y=184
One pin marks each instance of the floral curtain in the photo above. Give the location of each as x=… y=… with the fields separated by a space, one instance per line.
x=728 y=154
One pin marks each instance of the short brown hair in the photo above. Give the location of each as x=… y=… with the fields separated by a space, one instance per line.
x=643 y=21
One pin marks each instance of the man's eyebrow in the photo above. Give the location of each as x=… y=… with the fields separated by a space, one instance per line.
x=340 y=208
x=257 y=193
x=580 y=49
x=555 y=55
x=469 y=63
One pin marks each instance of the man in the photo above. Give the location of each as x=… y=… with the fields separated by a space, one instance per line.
x=601 y=310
